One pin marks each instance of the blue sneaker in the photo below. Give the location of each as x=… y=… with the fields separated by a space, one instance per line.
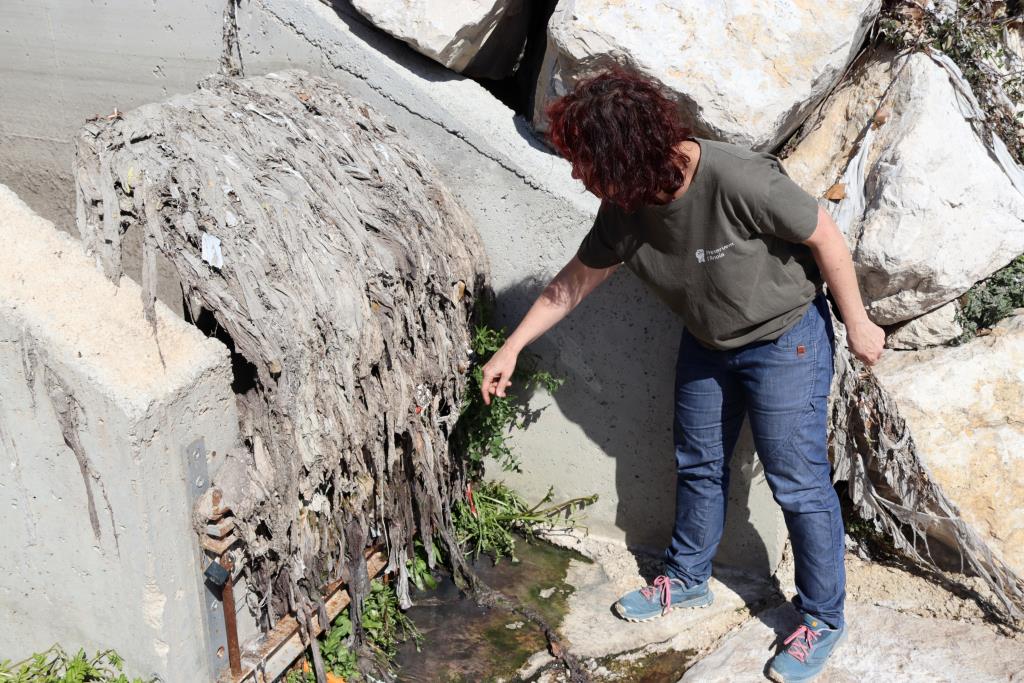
x=806 y=651
x=657 y=600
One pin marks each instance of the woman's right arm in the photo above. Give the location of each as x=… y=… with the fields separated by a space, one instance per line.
x=565 y=291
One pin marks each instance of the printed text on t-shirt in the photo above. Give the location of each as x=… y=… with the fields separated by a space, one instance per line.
x=705 y=255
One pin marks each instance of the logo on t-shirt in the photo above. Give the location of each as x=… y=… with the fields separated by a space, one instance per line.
x=705 y=255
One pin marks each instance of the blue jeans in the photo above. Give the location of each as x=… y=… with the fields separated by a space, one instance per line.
x=783 y=387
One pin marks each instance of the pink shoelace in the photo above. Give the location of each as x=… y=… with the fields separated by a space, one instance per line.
x=802 y=641
x=662 y=585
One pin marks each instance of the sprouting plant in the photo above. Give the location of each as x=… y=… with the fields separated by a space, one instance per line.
x=992 y=299
x=419 y=568
x=385 y=623
x=483 y=430
x=301 y=674
x=338 y=657
x=56 y=666
x=492 y=512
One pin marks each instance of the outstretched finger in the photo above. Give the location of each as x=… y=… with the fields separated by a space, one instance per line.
x=486 y=387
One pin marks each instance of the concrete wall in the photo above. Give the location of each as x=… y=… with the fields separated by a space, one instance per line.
x=97 y=547
x=608 y=430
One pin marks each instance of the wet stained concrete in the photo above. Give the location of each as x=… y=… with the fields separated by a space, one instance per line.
x=654 y=667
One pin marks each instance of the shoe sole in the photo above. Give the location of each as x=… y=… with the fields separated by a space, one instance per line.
x=701 y=602
x=775 y=676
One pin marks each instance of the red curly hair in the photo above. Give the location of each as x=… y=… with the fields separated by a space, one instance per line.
x=620 y=132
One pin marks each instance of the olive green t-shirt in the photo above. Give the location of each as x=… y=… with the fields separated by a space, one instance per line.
x=726 y=255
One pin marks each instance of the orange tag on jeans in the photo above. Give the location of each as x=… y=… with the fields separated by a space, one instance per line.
x=800 y=350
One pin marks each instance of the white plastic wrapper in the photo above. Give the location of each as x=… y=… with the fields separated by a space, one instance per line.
x=211 y=251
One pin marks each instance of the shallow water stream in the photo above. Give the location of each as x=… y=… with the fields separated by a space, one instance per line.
x=466 y=642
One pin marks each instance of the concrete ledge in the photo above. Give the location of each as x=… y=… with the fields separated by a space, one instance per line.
x=55 y=289
x=95 y=415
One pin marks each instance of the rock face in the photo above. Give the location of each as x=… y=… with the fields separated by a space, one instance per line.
x=935 y=328
x=882 y=645
x=874 y=448
x=830 y=134
x=743 y=72
x=928 y=209
x=480 y=38
x=963 y=406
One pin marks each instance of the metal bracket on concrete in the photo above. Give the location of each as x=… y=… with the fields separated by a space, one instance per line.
x=198 y=481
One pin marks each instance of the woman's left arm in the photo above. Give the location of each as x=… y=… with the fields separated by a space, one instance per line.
x=864 y=338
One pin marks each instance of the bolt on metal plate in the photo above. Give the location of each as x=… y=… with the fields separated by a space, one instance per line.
x=197 y=480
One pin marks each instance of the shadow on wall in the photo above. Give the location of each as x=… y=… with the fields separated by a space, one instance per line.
x=516 y=91
x=617 y=353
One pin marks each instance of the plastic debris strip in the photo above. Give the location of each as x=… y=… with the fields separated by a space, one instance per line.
x=849 y=211
x=211 y=251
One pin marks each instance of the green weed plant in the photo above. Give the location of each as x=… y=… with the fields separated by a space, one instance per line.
x=992 y=299
x=386 y=627
x=419 y=568
x=487 y=521
x=483 y=430
x=385 y=623
x=57 y=666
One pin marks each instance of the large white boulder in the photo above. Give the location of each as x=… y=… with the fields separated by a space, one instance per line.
x=743 y=72
x=964 y=406
x=482 y=38
x=928 y=204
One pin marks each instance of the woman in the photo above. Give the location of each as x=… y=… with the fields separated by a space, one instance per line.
x=739 y=251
